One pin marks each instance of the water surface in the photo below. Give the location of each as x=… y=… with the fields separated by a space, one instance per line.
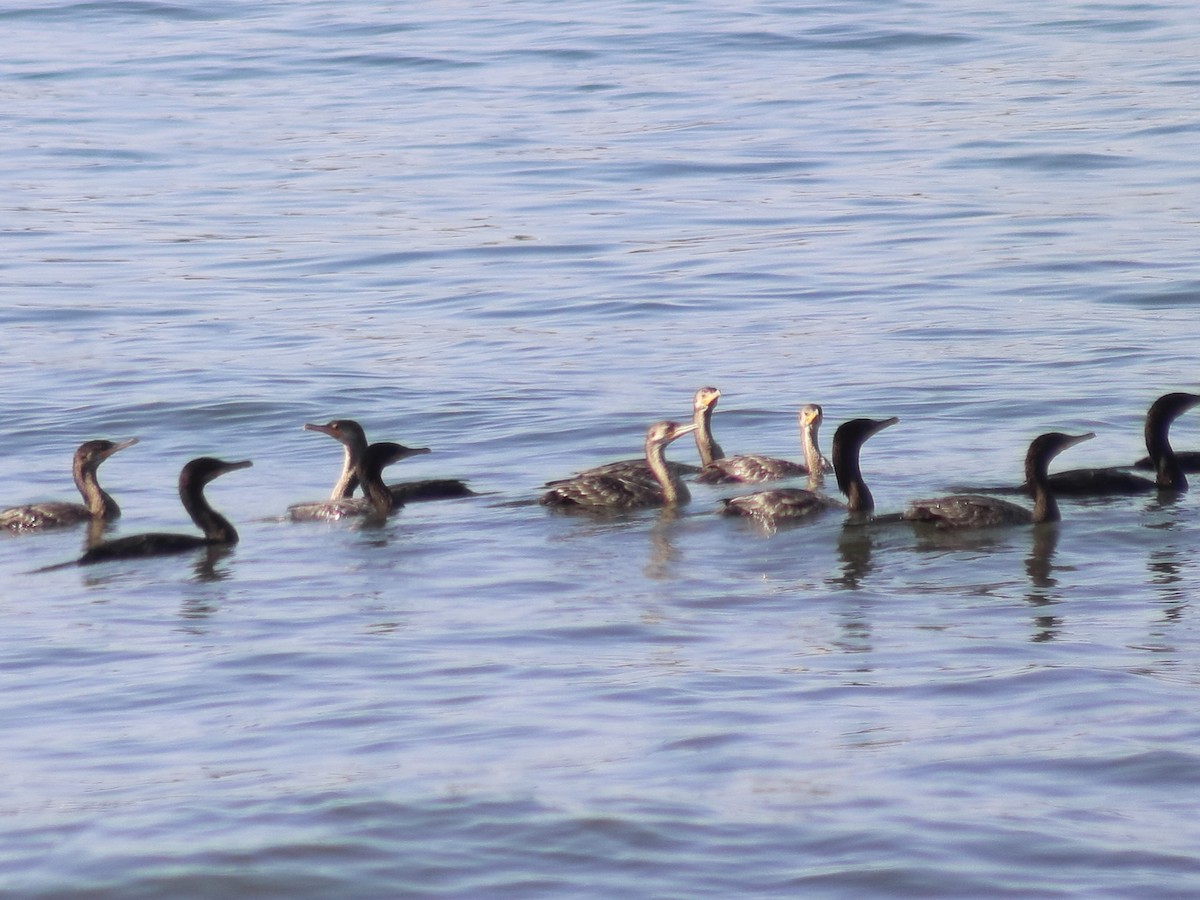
x=518 y=235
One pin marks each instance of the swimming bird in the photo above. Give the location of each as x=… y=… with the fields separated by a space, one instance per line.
x=378 y=500
x=704 y=401
x=1189 y=461
x=616 y=490
x=1116 y=480
x=754 y=468
x=353 y=439
x=97 y=504
x=1167 y=464
x=218 y=531
x=771 y=507
x=976 y=511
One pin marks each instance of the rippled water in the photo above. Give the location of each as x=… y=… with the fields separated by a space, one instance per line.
x=518 y=233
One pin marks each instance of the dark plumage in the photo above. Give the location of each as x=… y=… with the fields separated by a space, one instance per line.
x=1189 y=462
x=1117 y=480
x=622 y=490
x=772 y=507
x=754 y=468
x=217 y=529
x=97 y=504
x=976 y=511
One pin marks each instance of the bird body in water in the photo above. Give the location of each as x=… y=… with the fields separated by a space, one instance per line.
x=617 y=490
x=378 y=501
x=1169 y=470
x=97 y=505
x=1168 y=466
x=754 y=468
x=353 y=438
x=978 y=511
x=218 y=531
x=1189 y=462
x=775 y=506
x=704 y=401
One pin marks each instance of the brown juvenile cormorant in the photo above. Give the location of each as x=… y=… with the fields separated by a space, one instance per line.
x=975 y=511
x=753 y=468
x=218 y=532
x=97 y=504
x=611 y=491
x=704 y=401
x=379 y=500
x=772 y=507
x=353 y=439
x=1116 y=480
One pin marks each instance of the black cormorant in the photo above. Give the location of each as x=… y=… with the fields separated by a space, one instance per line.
x=218 y=531
x=975 y=511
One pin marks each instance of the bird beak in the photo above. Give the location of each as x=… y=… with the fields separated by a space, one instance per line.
x=1079 y=439
x=121 y=445
x=324 y=429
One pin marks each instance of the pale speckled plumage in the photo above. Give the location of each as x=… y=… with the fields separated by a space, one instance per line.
x=97 y=505
x=783 y=504
x=753 y=468
x=704 y=401
x=608 y=491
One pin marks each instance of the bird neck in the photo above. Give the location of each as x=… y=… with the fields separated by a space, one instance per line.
x=813 y=461
x=1045 y=506
x=849 y=478
x=98 y=502
x=706 y=445
x=1168 y=473
x=674 y=490
x=217 y=529
x=347 y=483
x=377 y=493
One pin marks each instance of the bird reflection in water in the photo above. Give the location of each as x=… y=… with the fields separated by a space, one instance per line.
x=1165 y=564
x=855 y=546
x=664 y=554
x=1039 y=567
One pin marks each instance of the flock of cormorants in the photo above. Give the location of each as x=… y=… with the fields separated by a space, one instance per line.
x=647 y=481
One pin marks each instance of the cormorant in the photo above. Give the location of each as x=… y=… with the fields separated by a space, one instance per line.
x=353 y=439
x=1115 y=480
x=704 y=401
x=378 y=501
x=612 y=491
x=753 y=468
x=975 y=511
x=772 y=507
x=97 y=504
x=218 y=531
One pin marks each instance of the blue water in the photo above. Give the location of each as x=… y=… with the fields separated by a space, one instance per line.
x=517 y=234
